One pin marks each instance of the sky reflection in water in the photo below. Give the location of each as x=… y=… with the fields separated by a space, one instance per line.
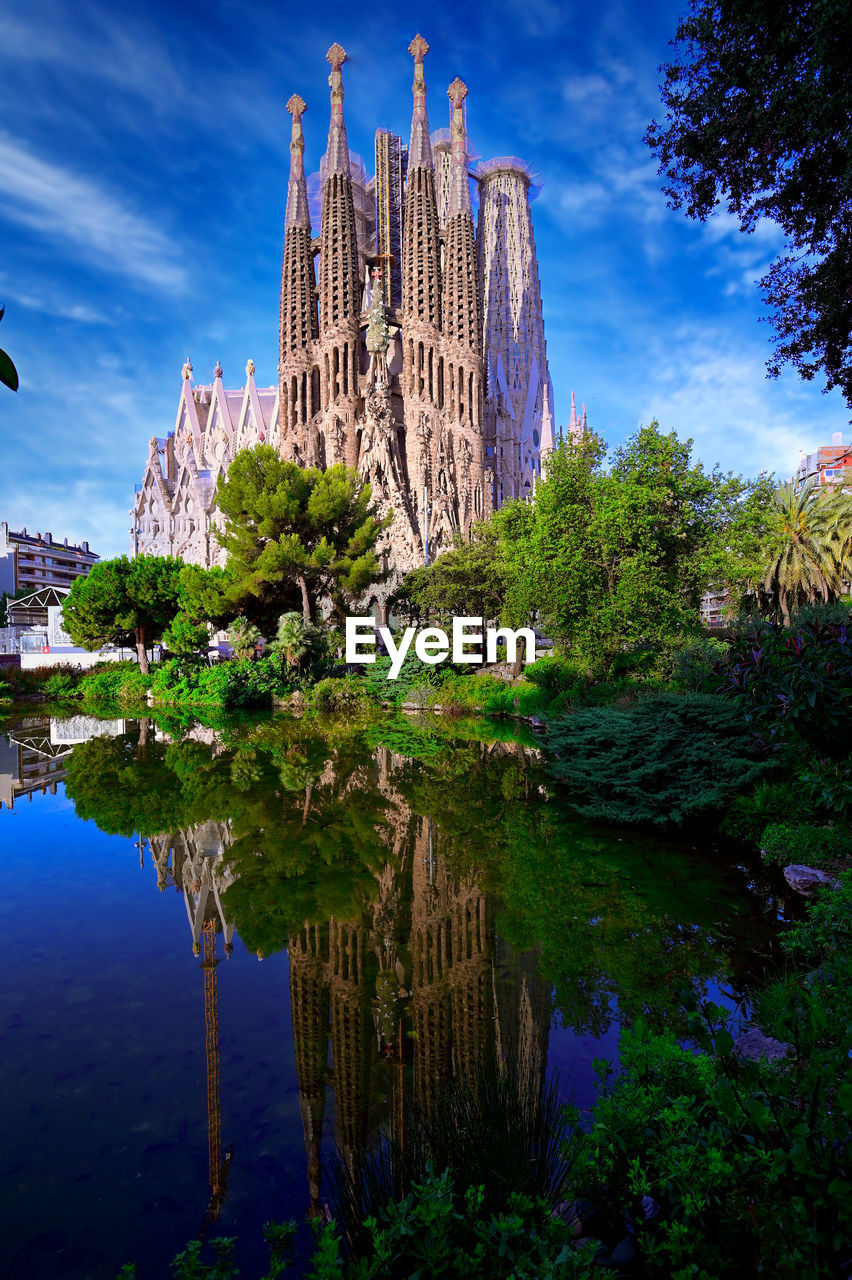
x=420 y=903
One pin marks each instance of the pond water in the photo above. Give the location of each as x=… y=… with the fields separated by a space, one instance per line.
x=229 y=951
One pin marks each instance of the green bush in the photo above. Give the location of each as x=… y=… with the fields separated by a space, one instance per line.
x=239 y=682
x=412 y=674
x=555 y=674
x=344 y=695
x=748 y=815
x=786 y=842
x=825 y=935
x=439 y=1230
x=689 y=665
x=794 y=683
x=711 y=1159
x=61 y=686
x=115 y=682
x=668 y=760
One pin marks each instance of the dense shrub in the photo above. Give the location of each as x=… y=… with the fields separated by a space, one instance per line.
x=555 y=674
x=120 y=682
x=240 y=682
x=824 y=937
x=669 y=759
x=795 y=682
x=749 y=814
x=689 y=664
x=441 y=1229
x=786 y=842
x=413 y=674
x=712 y=1160
x=63 y=685
x=345 y=695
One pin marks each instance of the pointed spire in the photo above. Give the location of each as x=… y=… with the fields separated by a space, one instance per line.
x=546 y=427
x=187 y=370
x=459 y=198
x=585 y=420
x=298 y=214
x=420 y=150
x=337 y=154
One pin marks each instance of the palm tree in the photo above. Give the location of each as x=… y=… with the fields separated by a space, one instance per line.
x=811 y=542
x=244 y=637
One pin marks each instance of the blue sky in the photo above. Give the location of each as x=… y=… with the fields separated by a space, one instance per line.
x=143 y=172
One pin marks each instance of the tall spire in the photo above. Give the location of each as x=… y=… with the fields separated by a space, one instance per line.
x=298 y=214
x=461 y=309
x=421 y=262
x=459 y=201
x=337 y=154
x=420 y=151
x=340 y=293
x=298 y=282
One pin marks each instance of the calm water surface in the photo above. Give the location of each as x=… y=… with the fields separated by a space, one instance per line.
x=228 y=951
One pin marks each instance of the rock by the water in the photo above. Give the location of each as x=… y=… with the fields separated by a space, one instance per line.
x=807 y=880
x=754 y=1045
x=625 y=1255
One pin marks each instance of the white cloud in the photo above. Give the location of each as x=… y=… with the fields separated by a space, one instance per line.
x=59 y=308
x=710 y=385
x=86 y=218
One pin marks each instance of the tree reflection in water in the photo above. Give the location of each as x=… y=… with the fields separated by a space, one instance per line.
x=437 y=904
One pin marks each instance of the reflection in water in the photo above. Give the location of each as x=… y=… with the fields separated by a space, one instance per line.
x=436 y=901
x=416 y=987
x=33 y=754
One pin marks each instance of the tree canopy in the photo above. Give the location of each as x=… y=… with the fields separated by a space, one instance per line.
x=295 y=536
x=758 y=101
x=611 y=558
x=467 y=580
x=123 y=597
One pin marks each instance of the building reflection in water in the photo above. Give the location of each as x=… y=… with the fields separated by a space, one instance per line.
x=386 y=1007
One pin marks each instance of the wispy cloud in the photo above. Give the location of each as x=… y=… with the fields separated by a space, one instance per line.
x=710 y=385
x=87 y=219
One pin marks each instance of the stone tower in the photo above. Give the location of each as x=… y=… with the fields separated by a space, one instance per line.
x=518 y=392
x=413 y=351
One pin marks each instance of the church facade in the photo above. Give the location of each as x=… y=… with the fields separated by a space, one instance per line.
x=411 y=344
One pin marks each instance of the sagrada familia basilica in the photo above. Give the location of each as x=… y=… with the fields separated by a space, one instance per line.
x=415 y=353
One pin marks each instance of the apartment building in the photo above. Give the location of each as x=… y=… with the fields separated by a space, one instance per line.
x=30 y=561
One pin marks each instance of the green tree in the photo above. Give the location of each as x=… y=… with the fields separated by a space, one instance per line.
x=468 y=580
x=295 y=536
x=611 y=559
x=122 y=597
x=809 y=548
x=185 y=638
x=244 y=637
x=758 y=103
x=297 y=642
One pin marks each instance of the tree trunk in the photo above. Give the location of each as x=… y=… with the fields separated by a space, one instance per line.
x=306 y=604
x=141 y=652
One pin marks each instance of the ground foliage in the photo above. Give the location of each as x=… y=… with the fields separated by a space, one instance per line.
x=666 y=760
x=794 y=682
